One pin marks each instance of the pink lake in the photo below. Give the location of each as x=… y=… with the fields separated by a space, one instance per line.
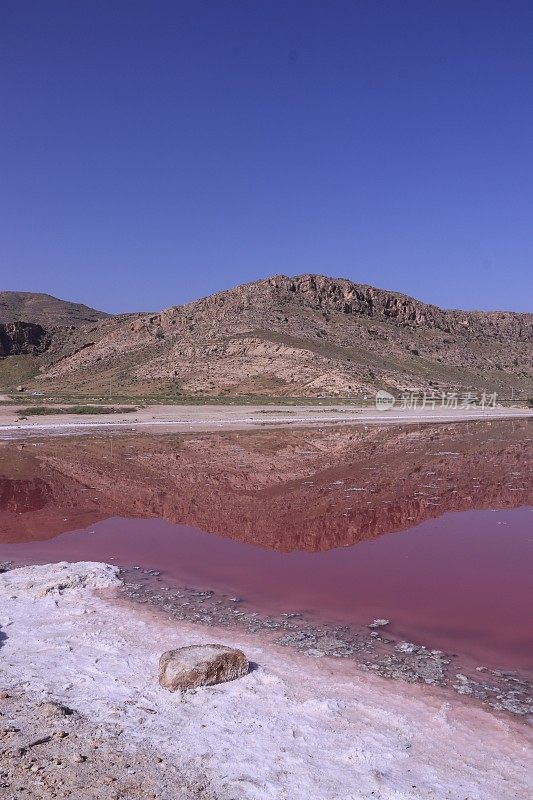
x=432 y=529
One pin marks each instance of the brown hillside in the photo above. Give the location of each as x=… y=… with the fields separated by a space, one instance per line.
x=44 y=310
x=304 y=336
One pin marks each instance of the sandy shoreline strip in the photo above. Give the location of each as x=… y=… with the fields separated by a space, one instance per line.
x=229 y=417
x=294 y=727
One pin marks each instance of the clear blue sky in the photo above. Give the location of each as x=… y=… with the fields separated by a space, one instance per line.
x=153 y=152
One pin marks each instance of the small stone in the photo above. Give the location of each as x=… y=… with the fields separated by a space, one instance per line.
x=406 y=647
x=200 y=665
x=57 y=710
x=40 y=740
x=379 y=623
x=315 y=653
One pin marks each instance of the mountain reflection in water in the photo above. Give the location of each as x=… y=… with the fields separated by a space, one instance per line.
x=306 y=490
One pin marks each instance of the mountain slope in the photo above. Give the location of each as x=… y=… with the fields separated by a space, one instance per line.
x=304 y=336
x=44 y=310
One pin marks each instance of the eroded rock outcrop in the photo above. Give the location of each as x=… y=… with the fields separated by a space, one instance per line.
x=23 y=338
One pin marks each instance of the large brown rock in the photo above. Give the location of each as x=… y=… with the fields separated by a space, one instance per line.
x=200 y=665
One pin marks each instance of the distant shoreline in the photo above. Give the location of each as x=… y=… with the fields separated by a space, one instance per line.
x=214 y=417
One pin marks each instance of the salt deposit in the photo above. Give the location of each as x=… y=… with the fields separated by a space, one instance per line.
x=294 y=727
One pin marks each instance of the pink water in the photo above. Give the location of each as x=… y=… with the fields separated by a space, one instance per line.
x=459 y=580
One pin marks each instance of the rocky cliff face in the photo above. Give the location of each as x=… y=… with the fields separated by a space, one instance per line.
x=323 y=294
x=356 y=299
x=23 y=338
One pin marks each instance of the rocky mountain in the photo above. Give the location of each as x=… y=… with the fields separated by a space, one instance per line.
x=308 y=335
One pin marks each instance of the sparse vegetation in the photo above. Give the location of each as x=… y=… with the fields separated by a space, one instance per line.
x=33 y=411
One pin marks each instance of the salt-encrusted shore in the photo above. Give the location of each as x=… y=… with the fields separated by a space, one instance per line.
x=293 y=727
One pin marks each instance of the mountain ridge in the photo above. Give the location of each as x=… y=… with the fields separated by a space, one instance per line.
x=342 y=294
